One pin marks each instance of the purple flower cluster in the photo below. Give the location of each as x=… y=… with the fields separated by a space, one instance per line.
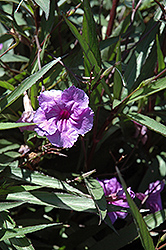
x=115 y=195
x=61 y=117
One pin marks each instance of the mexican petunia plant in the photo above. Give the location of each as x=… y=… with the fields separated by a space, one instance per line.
x=82 y=124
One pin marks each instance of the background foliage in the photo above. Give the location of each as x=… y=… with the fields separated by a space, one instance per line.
x=115 y=51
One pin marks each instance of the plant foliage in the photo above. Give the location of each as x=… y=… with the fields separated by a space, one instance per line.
x=115 y=51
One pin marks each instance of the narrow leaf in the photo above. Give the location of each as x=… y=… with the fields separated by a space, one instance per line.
x=147 y=88
x=43 y=180
x=10 y=233
x=26 y=84
x=57 y=200
x=90 y=36
x=117 y=87
x=146 y=240
x=10 y=125
x=5 y=189
x=8 y=205
x=160 y=57
x=148 y=122
x=6 y=85
x=97 y=193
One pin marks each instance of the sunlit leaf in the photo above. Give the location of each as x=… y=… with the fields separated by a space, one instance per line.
x=148 y=122
x=7 y=233
x=11 y=125
x=26 y=84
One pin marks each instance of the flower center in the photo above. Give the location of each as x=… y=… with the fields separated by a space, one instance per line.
x=64 y=114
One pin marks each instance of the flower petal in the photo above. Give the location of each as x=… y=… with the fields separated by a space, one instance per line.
x=75 y=95
x=48 y=99
x=82 y=120
x=65 y=139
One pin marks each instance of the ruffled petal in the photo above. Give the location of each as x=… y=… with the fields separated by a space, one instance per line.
x=48 y=99
x=82 y=120
x=75 y=95
x=65 y=140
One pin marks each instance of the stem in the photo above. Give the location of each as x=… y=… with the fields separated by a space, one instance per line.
x=161 y=6
x=112 y=18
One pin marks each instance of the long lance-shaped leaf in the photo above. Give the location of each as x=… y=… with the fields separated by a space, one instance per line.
x=146 y=240
x=57 y=200
x=42 y=180
x=10 y=125
x=147 y=88
x=84 y=45
x=90 y=36
x=92 y=62
x=6 y=189
x=10 y=233
x=8 y=205
x=148 y=122
x=26 y=84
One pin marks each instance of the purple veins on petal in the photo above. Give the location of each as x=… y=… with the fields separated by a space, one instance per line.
x=63 y=116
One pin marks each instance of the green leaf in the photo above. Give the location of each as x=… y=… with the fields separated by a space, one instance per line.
x=10 y=233
x=90 y=36
x=57 y=200
x=4 y=149
x=160 y=57
x=93 y=64
x=14 y=58
x=118 y=84
x=5 y=189
x=147 y=88
x=8 y=205
x=21 y=242
x=45 y=6
x=85 y=46
x=42 y=180
x=10 y=125
x=6 y=85
x=148 y=122
x=97 y=193
x=155 y=220
x=26 y=84
x=140 y=54
x=146 y=240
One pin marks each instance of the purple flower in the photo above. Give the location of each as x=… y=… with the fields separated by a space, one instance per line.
x=115 y=195
x=1 y=46
x=63 y=116
x=141 y=131
x=153 y=201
